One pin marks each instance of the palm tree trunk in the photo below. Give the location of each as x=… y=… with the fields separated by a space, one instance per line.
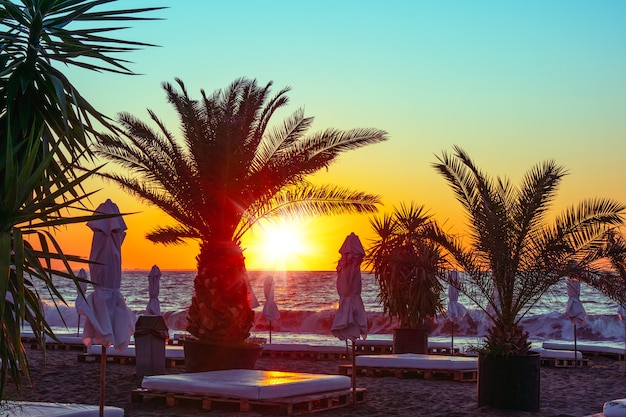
x=220 y=309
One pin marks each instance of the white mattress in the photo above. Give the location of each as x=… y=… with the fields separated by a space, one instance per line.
x=171 y=351
x=557 y=354
x=291 y=347
x=604 y=347
x=43 y=409
x=615 y=408
x=247 y=383
x=418 y=361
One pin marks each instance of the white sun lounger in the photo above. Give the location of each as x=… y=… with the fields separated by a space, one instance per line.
x=174 y=355
x=296 y=392
x=614 y=408
x=457 y=368
x=43 y=409
x=608 y=349
x=303 y=351
x=385 y=346
x=561 y=358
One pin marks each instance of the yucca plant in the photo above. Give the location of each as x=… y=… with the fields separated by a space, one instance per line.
x=229 y=169
x=45 y=131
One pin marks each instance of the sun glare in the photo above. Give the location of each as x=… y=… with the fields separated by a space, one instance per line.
x=282 y=243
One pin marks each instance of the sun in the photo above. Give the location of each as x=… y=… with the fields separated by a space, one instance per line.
x=282 y=243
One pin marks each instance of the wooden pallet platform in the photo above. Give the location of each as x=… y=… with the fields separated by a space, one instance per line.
x=564 y=363
x=303 y=354
x=470 y=375
x=60 y=346
x=291 y=406
x=374 y=348
x=126 y=360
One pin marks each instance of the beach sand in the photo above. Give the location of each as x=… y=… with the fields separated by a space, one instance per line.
x=564 y=391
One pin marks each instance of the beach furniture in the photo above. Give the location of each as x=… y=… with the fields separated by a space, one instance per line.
x=174 y=355
x=385 y=346
x=561 y=358
x=65 y=342
x=292 y=393
x=613 y=408
x=45 y=409
x=408 y=365
x=304 y=351
x=590 y=349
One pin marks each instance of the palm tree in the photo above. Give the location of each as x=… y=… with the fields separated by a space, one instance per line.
x=513 y=254
x=230 y=170
x=407 y=264
x=45 y=127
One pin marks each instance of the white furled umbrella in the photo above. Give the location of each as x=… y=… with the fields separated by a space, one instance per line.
x=350 y=321
x=621 y=314
x=456 y=310
x=270 y=309
x=574 y=309
x=108 y=320
x=154 y=277
x=81 y=302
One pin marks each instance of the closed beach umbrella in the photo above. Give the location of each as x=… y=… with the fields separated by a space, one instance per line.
x=270 y=309
x=81 y=302
x=621 y=313
x=574 y=309
x=456 y=310
x=154 y=277
x=350 y=321
x=108 y=320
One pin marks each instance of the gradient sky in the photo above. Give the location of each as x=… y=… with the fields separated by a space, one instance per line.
x=513 y=83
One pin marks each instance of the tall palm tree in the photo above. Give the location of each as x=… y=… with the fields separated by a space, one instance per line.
x=230 y=170
x=513 y=254
x=45 y=129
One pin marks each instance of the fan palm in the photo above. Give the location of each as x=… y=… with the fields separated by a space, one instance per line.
x=230 y=170
x=45 y=126
x=513 y=254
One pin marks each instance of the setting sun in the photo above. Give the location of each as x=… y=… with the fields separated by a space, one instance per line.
x=281 y=243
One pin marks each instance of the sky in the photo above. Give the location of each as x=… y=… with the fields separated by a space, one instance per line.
x=513 y=83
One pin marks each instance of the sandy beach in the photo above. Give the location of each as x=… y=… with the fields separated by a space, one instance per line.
x=564 y=391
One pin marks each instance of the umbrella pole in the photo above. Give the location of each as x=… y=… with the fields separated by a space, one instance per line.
x=575 y=348
x=103 y=368
x=452 y=343
x=353 y=373
x=78 y=328
x=270 y=332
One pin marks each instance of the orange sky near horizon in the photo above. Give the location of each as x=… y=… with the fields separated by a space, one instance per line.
x=514 y=84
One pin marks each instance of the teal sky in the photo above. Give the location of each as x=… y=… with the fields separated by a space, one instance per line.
x=514 y=83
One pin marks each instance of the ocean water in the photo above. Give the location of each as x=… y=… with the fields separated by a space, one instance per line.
x=308 y=300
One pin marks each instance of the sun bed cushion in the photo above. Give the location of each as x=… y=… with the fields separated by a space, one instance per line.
x=291 y=347
x=247 y=383
x=43 y=409
x=171 y=352
x=615 y=408
x=557 y=354
x=602 y=347
x=417 y=361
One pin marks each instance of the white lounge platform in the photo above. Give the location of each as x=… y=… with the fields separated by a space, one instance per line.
x=613 y=408
x=561 y=358
x=456 y=368
x=174 y=355
x=251 y=390
x=65 y=342
x=385 y=346
x=590 y=349
x=304 y=351
x=44 y=409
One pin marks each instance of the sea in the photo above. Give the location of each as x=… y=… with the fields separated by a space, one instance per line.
x=307 y=302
